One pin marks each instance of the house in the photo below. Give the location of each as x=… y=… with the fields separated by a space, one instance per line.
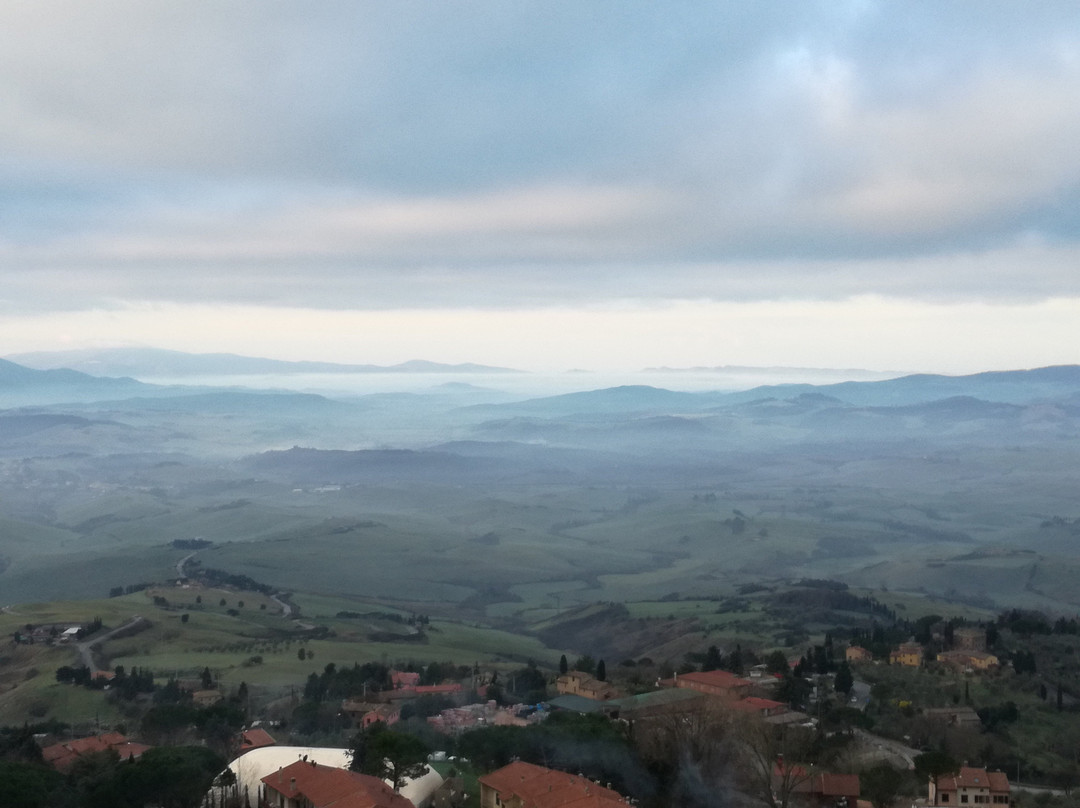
x=62 y=755
x=724 y=684
x=524 y=785
x=956 y=716
x=404 y=679
x=909 y=654
x=818 y=789
x=206 y=698
x=969 y=660
x=307 y=784
x=366 y=713
x=579 y=683
x=255 y=738
x=759 y=706
x=969 y=786
x=855 y=653
x=969 y=639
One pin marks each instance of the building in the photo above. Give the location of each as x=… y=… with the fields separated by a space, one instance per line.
x=524 y=785
x=62 y=755
x=579 y=683
x=404 y=679
x=969 y=787
x=307 y=784
x=817 y=789
x=969 y=660
x=855 y=653
x=969 y=639
x=724 y=684
x=366 y=713
x=909 y=654
x=255 y=738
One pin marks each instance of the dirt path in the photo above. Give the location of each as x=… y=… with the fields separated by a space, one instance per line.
x=86 y=649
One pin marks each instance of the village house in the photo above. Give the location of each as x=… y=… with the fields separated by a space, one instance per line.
x=307 y=784
x=909 y=654
x=61 y=756
x=366 y=713
x=579 y=683
x=524 y=785
x=969 y=639
x=400 y=680
x=969 y=660
x=818 y=789
x=954 y=716
x=855 y=653
x=969 y=786
x=723 y=684
x=255 y=738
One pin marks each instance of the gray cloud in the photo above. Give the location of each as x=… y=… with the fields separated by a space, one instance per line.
x=487 y=154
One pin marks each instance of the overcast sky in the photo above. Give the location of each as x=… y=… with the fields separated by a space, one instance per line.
x=607 y=185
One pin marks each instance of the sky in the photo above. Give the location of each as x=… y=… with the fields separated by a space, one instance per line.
x=579 y=184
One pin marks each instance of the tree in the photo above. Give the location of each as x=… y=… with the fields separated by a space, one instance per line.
x=768 y=753
x=713 y=659
x=207 y=679
x=601 y=671
x=585 y=664
x=388 y=755
x=563 y=665
x=881 y=784
x=844 y=680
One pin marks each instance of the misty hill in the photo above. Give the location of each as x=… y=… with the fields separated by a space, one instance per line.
x=1007 y=386
x=335 y=466
x=638 y=398
x=20 y=385
x=186 y=400
x=153 y=362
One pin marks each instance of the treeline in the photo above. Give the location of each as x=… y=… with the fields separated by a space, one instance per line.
x=237 y=581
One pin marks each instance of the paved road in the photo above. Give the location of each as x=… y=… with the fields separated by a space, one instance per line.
x=893 y=747
x=86 y=649
x=860 y=693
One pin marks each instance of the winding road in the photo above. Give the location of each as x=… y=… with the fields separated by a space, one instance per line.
x=86 y=649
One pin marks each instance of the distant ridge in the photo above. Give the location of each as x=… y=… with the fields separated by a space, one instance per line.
x=157 y=362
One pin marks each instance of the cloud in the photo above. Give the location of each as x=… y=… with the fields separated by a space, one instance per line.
x=484 y=154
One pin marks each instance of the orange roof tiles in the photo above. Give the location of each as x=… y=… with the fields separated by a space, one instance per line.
x=538 y=787
x=330 y=787
x=970 y=777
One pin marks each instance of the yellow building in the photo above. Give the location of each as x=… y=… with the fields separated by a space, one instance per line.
x=909 y=654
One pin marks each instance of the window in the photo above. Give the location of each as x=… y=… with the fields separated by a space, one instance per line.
x=945 y=796
x=963 y=798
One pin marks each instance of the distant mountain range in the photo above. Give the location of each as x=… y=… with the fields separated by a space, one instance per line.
x=159 y=363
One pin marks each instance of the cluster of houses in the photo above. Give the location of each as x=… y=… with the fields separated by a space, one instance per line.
x=968 y=654
x=581 y=692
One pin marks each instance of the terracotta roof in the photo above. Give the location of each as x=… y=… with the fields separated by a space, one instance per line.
x=255 y=739
x=757 y=704
x=330 y=787
x=538 y=787
x=62 y=755
x=970 y=777
x=719 y=679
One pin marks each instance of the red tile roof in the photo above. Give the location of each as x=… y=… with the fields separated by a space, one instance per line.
x=61 y=755
x=538 y=787
x=330 y=787
x=255 y=739
x=970 y=777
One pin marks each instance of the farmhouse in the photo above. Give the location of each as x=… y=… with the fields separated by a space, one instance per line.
x=855 y=653
x=579 y=683
x=969 y=787
x=818 y=789
x=61 y=756
x=969 y=660
x=724 y=684
x=524 y=785
x=908 y=654
x=366 y=713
